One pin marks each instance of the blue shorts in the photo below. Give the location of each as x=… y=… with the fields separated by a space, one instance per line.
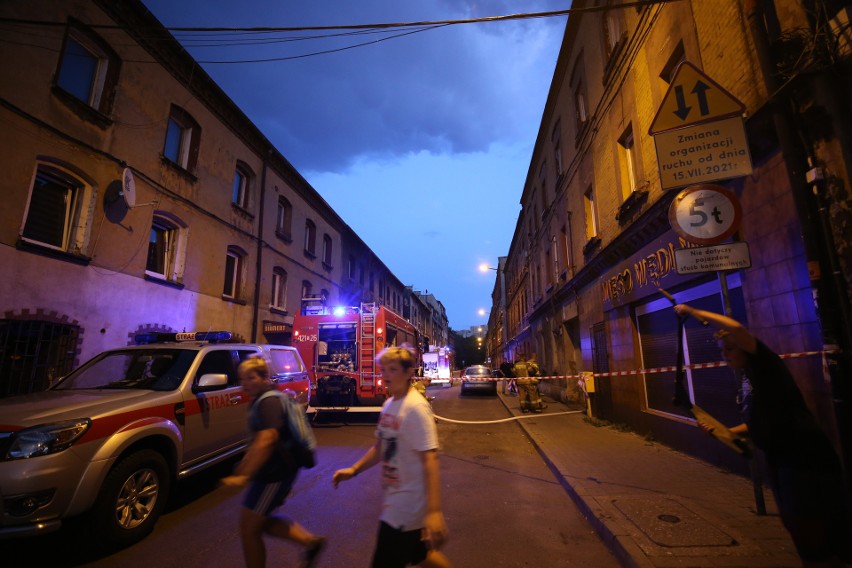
x=397 y=549
x=263 y=497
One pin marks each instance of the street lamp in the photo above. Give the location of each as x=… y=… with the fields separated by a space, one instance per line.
x=484 y=268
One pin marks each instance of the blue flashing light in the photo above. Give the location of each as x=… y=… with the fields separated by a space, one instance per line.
x=164 y=337
x=339 y=311
x=146 y=338
x=211 y=336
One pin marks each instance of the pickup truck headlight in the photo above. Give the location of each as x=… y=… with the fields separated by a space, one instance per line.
x=45 y=439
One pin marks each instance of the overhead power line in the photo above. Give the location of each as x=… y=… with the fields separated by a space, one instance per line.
x=206 y=37
x=427 y=23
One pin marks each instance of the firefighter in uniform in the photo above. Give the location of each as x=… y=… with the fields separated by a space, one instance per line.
x=525 y=373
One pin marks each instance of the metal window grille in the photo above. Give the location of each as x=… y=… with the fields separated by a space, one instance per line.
x=34 y=354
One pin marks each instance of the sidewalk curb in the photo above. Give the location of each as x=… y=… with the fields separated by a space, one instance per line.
x=616 y=544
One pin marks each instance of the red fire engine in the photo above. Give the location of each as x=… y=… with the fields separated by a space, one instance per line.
x=339 y=345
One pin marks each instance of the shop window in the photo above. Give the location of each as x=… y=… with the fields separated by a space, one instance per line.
x=713 y=389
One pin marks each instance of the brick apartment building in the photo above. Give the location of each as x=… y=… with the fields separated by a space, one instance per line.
x=593 y=242
x=138 y=197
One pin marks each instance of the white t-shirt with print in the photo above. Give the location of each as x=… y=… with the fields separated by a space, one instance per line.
x=406 y=428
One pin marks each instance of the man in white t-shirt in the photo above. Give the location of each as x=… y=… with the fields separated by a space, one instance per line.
x=412 y=527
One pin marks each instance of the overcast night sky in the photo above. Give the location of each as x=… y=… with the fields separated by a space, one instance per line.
x=421 y=142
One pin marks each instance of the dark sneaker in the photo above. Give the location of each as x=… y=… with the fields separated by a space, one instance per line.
x=312 y=552
x=525 y=410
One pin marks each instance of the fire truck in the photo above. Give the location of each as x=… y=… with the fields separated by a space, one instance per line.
x=339 y=346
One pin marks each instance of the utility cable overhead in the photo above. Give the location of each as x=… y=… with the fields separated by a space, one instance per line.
x=427 y=23
x=207 y=37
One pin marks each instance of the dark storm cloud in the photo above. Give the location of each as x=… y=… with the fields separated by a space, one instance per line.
x=438 y=90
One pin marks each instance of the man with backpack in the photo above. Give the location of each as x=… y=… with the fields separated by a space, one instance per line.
x=277 y=450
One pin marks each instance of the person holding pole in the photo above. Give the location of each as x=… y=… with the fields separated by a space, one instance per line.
x=804 y=470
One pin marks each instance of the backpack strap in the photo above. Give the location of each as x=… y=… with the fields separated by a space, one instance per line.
x=255 y=410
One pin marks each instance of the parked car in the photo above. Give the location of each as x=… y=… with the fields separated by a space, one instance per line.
x=475 y=378
x=109 y=440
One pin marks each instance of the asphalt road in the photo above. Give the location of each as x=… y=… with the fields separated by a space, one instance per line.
x=502 y=504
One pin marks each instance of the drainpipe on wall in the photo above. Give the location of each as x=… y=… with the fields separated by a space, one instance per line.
x=259 y=264
x=831 y=302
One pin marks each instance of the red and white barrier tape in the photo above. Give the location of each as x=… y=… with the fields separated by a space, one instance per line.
x=667 y=369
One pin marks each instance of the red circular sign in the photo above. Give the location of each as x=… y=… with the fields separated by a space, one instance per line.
x=705 y=214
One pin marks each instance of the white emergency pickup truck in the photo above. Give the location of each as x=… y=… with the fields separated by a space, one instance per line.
x=110 y=439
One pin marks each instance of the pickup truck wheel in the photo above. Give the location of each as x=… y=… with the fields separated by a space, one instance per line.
x=132 y=497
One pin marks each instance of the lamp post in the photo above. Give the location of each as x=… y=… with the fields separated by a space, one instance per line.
x=498 y=321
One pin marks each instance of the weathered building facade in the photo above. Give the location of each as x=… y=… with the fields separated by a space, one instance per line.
x=593 y=243
x=138 y=197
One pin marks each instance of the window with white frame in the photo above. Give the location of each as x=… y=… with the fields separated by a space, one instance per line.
x=284 y=220
x=279 y=288
x=627 y=162
x=234 y=260
x=242 y=186
x=310 y=238
x=578 y=89
x=677 y=57
x=166 y=247
x=88 y=69
x=591 y=213
x=161 y=243
x=327 y=251
x=59 y=210
x=182 y=138
x=614 y=31
x=565 y=257
x=556 y=140
x=542 y=180
x=580 y=105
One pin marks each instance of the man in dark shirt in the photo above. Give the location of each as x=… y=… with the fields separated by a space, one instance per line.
x=804 y=469
x=268 y=471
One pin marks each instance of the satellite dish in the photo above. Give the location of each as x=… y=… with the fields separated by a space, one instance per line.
x=128 y=188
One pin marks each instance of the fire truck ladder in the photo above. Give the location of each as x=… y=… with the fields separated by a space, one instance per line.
x=368 y=346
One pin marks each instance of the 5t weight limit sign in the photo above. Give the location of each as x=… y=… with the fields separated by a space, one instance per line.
x=705 y=214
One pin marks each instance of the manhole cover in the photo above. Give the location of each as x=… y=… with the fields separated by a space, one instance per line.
x=668 y=523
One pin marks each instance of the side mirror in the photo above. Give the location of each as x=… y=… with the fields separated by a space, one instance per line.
x=212 y=381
